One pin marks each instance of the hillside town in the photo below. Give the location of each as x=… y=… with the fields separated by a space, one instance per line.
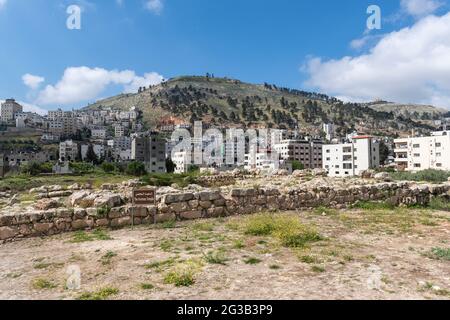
x=116 y=136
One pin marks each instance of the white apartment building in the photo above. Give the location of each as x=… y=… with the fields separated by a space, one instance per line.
x=261 y=161
x=182 y=160
x=421 y=153
x=68 y=151
x=350 y=159
x=9 y=109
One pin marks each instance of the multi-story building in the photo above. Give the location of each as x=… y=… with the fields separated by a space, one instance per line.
x=62 y=123
x=68 y=151
x=308 y=153
x=150 y=149
x=98 y=133
x=9 y=109
x=352 y=158
x=119 y=131
x=17 y=158
x=421 y=153
x=329 y=130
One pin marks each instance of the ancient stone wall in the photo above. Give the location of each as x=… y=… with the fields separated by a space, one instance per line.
x=78 y=215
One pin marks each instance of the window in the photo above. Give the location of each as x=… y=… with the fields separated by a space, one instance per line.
x=347 y=166
x=439 y=165
x=438 y=154
x=438 y=145
x=416 y=155
x=416 y=146
x=417 y=165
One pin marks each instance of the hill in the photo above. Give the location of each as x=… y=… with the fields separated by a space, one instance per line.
x=229 y=102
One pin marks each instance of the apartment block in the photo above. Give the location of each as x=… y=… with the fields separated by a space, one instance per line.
x=150 y=149
x=421 y=153
x=308 y=153
x=68 y=151
x=350 y=159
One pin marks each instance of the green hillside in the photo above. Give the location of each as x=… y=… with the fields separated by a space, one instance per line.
x=228 y=102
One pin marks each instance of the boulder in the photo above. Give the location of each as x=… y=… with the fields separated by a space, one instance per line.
x=46 y=204
x=7 y=233
x=319 y=172
x=108 y=199
x=383 y=176
x=77 y=198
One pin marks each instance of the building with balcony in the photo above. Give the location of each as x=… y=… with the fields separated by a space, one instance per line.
x=421 y=153
x=352 y=158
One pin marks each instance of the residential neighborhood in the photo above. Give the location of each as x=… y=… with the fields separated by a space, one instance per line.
x=118 y=136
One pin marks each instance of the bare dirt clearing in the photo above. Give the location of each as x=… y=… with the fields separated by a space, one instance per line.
x=370 y=253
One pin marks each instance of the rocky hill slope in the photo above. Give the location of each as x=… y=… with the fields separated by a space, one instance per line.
x=228 y=102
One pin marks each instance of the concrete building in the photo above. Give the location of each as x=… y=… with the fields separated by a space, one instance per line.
x=98 y=133
x=329 y=130
x=261 y=161
x=9 y=109
x=421 y=153
x=350 y=159
x=119 y=131
x=150 y=149
x=68 y=151
x=308 y=153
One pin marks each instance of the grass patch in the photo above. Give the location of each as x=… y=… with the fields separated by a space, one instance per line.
x=252 y=261
x=308 y=259
x=317 y=269
x=439 y=204
x=370 y=205
x=204 y=226
x=101 y=294
x=440 y=254
x=43 y=284
x=287 y=229
x=106 y=259
x=171 y=224
x=147 y=286
x=431 y=175
x=183 y=274
x=82 y=236
x=238 y=244
x=217 y=257
x=159 y=266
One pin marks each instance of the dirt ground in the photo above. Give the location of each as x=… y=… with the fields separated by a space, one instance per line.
x=362 y=254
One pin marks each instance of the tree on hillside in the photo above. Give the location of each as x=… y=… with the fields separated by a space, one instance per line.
x=91 y=156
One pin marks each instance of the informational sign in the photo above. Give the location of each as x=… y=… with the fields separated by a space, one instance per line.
x=144 y=197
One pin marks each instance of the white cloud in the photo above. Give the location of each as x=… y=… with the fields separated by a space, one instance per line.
x=420 y=8
x=32 y=81
x=155 y=6
x=410 y=66
x=119 y=2
x=148 y=79
x=80 y=84
x=2 y=4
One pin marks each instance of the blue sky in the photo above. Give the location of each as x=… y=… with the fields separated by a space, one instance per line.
x=298 y=44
